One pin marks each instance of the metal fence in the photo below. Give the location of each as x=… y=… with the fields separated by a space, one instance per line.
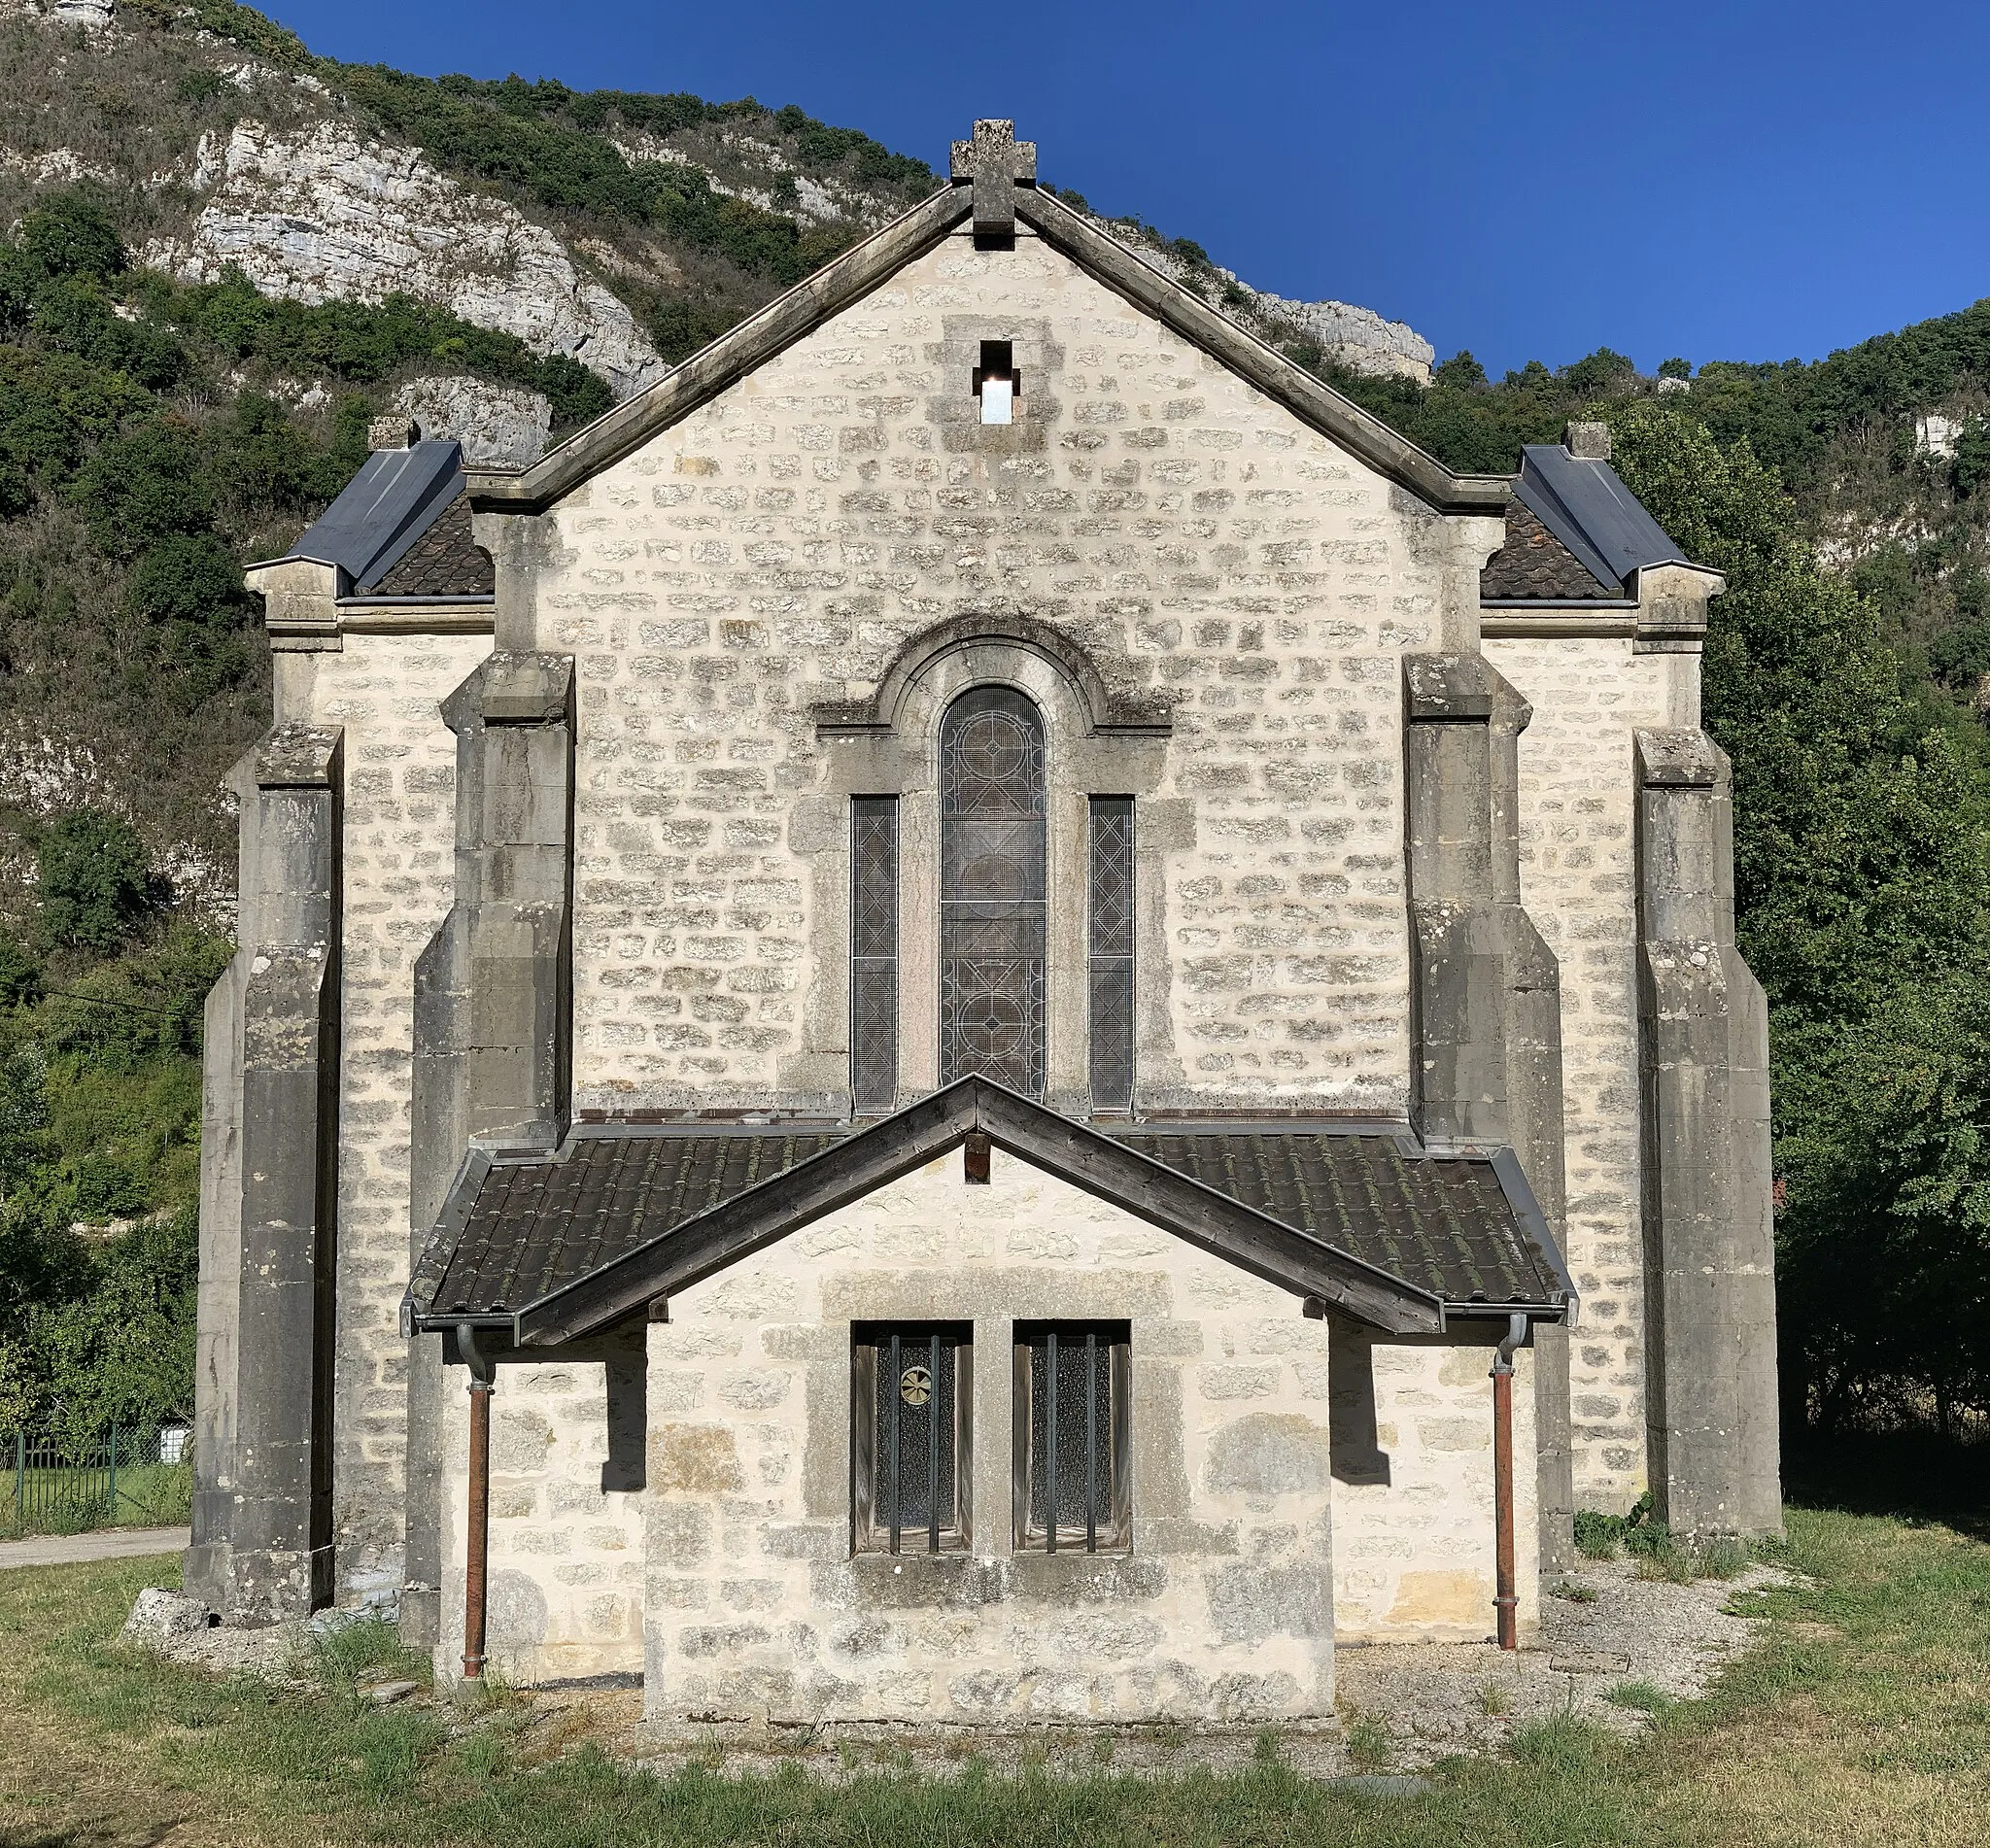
x=119 y=1477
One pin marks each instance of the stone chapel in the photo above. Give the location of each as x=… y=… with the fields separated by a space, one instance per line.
x=985 y=1013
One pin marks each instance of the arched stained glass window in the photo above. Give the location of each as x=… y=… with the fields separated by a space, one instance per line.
x=993 y=886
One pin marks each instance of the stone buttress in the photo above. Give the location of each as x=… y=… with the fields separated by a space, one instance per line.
x=1710 y=1240
x=492 y=1006
x=261 y=1548
x=1485 y=999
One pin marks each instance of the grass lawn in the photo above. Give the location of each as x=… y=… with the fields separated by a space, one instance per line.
x=1863 y=1717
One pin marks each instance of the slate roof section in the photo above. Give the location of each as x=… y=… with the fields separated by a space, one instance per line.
x=1587 y=507
x=1441 y=1222
x=559 y=1245
x=1533 y=566
x=384 y=510
x=533 y=1227
x=443 y=562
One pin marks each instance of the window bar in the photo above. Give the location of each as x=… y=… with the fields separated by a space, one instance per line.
x=891 y=1404
x=933 y=1452
x=1091 y=1442
x=1051 y=1443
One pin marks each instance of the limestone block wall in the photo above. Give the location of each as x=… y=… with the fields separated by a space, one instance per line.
x=1413 y=1508
x=566 y=1565
x=755 y=1606
x=1579 y=882
x=777 y=548
x=1291 y=1485
x=399 y=873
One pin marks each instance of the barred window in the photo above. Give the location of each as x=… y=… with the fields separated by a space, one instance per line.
x=909 y=1402
x=1109 y=881
x=1071 y=1440
x=993 y=885
x=873 y=952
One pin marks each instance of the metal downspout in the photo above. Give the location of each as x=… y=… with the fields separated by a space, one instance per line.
x=477 y=1548
x=1505 y=1601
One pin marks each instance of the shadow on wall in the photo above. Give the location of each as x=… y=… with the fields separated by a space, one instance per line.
x=1357 y=1453
x=628 y=1381
x=1916 y=1475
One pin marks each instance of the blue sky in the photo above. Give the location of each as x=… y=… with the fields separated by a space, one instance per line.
x=1719 y=180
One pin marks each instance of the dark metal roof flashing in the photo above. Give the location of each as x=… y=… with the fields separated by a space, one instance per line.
x=1582 y=502
x=396 y=498
x=549 y=1247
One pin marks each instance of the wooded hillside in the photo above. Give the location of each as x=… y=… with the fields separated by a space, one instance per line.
x=156 y=434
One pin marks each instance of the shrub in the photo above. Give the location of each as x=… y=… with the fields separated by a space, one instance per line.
x=21 y=974
x=1597 y=1536
x=1971 y=458
x=106 y=1188
x=71 y=234
x=94 y=882
x=188 y=589
x=145 y=487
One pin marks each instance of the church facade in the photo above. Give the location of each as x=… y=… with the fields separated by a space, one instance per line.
x=985 y=1013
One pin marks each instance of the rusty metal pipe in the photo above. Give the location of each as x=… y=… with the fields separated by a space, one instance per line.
x=477 y=1545
x=1505 y=1600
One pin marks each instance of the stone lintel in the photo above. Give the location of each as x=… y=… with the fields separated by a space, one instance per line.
x=526 y=689
x=1679 y=757
x=298 y=756
x=1448 y=687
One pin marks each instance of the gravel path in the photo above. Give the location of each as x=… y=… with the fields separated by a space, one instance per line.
x=1619 y=1632
x=110 y=1543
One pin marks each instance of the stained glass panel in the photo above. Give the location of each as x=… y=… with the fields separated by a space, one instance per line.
x=1110 y=974
x=992 y=890
x=873 y=952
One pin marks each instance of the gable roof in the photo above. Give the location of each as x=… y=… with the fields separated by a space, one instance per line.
x=866 y=265
x=1586 y=507
x=557 y=1248
x=383 y=511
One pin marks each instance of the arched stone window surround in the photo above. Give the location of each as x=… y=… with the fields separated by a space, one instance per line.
x=1095 y=744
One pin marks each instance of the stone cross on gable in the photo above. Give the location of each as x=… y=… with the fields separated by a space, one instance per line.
x=996 y=163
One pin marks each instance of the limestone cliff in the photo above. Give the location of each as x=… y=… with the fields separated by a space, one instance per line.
x=325 y=213
x=230 y=147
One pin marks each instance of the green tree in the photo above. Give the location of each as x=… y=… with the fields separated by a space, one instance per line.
x=1860 y=866
x=72 y=234
x=24 y=1115
x=1971 y=466
x=94 y=881
x=21 y=974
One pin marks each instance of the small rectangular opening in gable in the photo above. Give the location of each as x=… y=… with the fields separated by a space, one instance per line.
x=997 y=383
